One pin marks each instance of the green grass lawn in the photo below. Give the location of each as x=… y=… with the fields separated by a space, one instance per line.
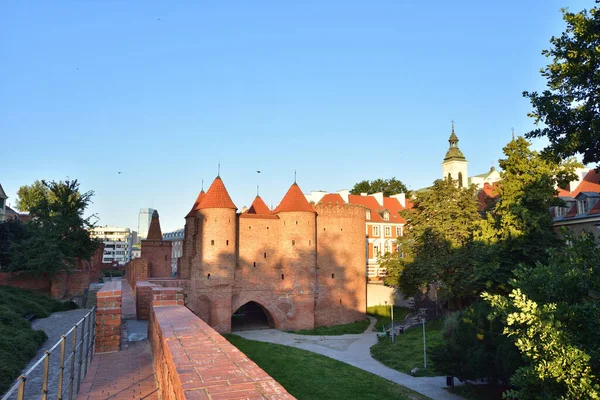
x=407 y=351
x=382 y=313
x=310 y=376
x=18 y=342
x=354 y=327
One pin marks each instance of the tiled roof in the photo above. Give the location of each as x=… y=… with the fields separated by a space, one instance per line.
x=196 y=205
x=591 y=183
x=293 y=200
x=368 y=202
x=154 y=232
x=488 y=195
x=217 y=196
x=572 y=212
x=332 y=198
x=394 y=207
x=595 y=209
x=258 y=207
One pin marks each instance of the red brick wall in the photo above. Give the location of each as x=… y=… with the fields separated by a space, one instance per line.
x=26 y=280
x=341 y=262
x=179 y=339
x=136 y=270
x=143 y=299
x=158 y=253
x=108 y=318
x=162 y=296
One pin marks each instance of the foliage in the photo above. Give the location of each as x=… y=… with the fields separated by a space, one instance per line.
x=474 y=348
x=553 y=314
x=406 y=352
x=557 y=367
x=436 y=246
x=59 y=232
x=383 y=315
x=12 y=231
x=569 y=107
x=344 y=329
x=310 y=376
x=389 y=187
x=18 y=342
x=478 y=392
x=30 y=197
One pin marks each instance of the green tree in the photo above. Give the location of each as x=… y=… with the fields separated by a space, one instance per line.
x=12 y=232
x=30 y=196
x=59 y=232
x=389 y=187
x=437 y=247
x=570 y=107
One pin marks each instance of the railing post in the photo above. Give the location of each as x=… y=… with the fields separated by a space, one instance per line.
x=61 y=371
x=87 y=346
x=21 y=392
x=80 y=356
x=72 y=374
x=45 y=378
x=93 y=333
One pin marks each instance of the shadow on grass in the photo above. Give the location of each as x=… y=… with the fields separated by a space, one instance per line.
x=310 y=376
x=345 y=329
x=383 y=315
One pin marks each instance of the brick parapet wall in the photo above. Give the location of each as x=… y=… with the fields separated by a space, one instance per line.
x=136 y=270
x=108 y=318
x=143 y=299
x=167 y=296
x=192 y=361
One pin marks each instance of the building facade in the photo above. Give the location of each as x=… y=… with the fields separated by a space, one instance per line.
x=144 y=219
x=455 y=165
x=3 y=198
x=117 y=244
x=176 y=239
x=301 y=265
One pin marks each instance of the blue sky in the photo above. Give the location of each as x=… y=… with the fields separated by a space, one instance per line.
x=339 y=91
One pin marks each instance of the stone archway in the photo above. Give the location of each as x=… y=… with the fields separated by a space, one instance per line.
x=251 y=316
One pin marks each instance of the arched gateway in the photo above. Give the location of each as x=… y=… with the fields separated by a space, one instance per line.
x=251 y=316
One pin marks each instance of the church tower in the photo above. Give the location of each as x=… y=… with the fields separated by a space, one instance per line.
x=455 y=164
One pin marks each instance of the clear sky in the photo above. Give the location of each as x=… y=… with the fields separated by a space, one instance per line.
x=340 y=91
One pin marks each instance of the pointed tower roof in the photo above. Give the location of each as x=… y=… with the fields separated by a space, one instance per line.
x=196 y=205
x=454 y=153
x=258 y=207
x=294 y=200
x=154 y=232
x=216 y=196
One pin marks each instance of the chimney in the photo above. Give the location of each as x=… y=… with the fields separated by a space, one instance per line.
x=401 y=197
x=344 y=194
x=379 y=198
x=363 y=194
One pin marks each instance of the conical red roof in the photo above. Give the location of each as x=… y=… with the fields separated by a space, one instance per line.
x=196 y=205
x=216 y=196
x=293 y=200
x=154 y=232
x=258 y=207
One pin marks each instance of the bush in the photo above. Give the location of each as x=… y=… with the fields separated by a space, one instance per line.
x=473 y=347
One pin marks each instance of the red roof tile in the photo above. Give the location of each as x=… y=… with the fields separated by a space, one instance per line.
x=595 y=209
x=294 y=200
x=368 y=202
x=572 y=212
x=154 y=232
x=488 y=195
x=196 y=205
x=591 y=183
x=394 y=207
x=332 y=198
x=217 y=196
x=258 y=207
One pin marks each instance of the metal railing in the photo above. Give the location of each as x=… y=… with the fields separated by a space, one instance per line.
x=69 y=357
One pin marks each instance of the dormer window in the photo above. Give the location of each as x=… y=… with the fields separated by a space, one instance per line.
x=582 y=206
x=368 y=214
x=386 y=215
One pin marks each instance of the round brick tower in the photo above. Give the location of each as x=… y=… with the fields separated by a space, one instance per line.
x=189 y=239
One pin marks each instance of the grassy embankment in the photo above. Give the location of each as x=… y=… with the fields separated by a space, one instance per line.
x=18 y=342
x=310 y=376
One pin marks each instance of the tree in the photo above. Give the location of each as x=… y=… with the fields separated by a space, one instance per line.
x=59 y=233
x=29 y=197
x=12 y=232
x=570 y=107
x=436 y=246
x=389 y=187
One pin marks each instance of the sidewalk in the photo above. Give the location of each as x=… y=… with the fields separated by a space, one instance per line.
x=354 y=350
x=128 y=373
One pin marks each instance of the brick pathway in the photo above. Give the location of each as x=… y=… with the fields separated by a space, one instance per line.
x=126 y=374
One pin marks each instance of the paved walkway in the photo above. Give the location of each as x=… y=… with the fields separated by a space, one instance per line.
x=354 y=350
x=128 y=373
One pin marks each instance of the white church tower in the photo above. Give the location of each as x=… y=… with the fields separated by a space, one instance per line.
x=455 y=164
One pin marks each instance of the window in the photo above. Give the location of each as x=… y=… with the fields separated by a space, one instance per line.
x=212 y=242
x=386 y=215
x=293 y=242
x=460 y=179
x=227 y=242
x=582 y=206
x=368 y=214
x=376 y=251
x=265 y=255
x=375 y=231
x=388 y=231
x=398 y=231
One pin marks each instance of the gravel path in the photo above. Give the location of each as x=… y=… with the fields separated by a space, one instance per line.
x=55 y=325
